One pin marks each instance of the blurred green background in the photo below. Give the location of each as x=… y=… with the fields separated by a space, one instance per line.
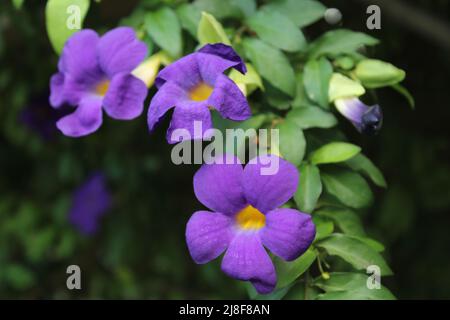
x=140 y=251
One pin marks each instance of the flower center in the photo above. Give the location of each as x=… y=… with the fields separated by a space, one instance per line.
x=201 y=92
x=102 y=87
x=250 y=218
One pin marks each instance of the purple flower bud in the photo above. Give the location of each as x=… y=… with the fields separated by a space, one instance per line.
x=367 y=119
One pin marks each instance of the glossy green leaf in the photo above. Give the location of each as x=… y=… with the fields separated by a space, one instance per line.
x=63 y=18
x=350 y=286
x=316 y=78
x=312 y=117
x=324 y=227
x=164 y=28
x=211 y=31
x=301 y=99
x=292 y=142
x=376 y=73
x=357 y=253
x=227 y=9
x=344 y=87
x=345 y=219
x=189 y=16
x=309 y=187
x=347 y=186
x=334 y=152
x=340 y=41
x=301 y=12
x=271 y=64
x=289 y=271
x=364 y=165
x=277 y=30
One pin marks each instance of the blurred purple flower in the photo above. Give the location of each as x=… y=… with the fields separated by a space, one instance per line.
x=196 y=83
x=39 y=117
x=94 y=72
x=90 y=202
x=246 y=219
x=366 y=119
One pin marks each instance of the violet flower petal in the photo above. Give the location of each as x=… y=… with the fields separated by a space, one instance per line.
x=185 y=116
x=89 y=202
x=125 y=97
x=79 y=57
x=120 y=51
x=207 y=235
x=219 y=186
x=165 y=99
x=228 y=99
x=226 y=52
x=86 y=118
x=57 y=90
x=246 y=259
x=288 y=233
x=268 y=192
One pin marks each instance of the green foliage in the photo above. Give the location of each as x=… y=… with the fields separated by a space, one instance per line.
x=312 y=117
x=292 y=141
x=301 y=12
x=276 y=30
x=165 y=30
x=317 y=75
x=340 y=41
x=348 y=186
x=350 y=286
x=210 y=30
x=334 y=152
x=61 y=18
x=289 y=271
x=271 y=64
x=309 y=188
x=354 y=251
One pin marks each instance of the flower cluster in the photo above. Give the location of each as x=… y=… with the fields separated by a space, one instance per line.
x=96 y=73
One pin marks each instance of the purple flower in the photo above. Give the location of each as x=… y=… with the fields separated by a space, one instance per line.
x=89 y=203
x=366 y=119
x=246 y=218
x=95 y=72
x=196 y=83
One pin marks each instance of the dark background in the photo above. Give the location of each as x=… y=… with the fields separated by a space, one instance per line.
x=140 y=250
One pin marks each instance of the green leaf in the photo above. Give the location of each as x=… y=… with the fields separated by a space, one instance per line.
x=309 y=187
x=348 y=187
x=363 y=164
x=18 y=276
x=18 y=4
x=404 y=92
x=334 y=152
x=211 y=31
x=350 y=286
x=324 y=227
x=340 y=41
x=226 y=9
x=312 y=117
x=344 y=62
x=357 y=253
x=301 y=12
x=249 y=81
x=189 y=16
x=301 y=99
x=345 y=219
x=277 y=30
x=163 y=27
x=292 y=142
x=343 y=87
x=289 y=271
x=374 y=244
x=376 y=73
x=63 y=18
x=316 y=78
x=271 y=64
